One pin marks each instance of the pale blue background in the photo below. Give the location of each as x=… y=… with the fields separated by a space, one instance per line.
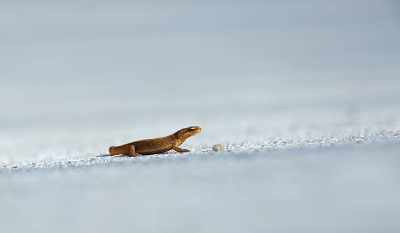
x=79 y=76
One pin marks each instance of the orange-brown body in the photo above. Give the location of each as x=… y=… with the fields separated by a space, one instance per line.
x=157 y=145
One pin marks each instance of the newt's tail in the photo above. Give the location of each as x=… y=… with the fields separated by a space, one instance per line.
x=112 y=151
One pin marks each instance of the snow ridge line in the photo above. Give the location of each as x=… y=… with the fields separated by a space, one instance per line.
x=233 y=148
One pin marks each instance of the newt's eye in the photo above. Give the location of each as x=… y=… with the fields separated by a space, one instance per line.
x=191 y=129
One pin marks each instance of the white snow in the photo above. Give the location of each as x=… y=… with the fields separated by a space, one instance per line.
x=304 y=96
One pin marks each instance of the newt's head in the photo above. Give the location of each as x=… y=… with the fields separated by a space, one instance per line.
x=188 y=132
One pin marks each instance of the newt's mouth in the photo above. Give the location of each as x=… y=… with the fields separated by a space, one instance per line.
x=197 y=131
x=194 y=130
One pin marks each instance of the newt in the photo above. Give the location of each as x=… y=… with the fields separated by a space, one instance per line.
x=156 y=145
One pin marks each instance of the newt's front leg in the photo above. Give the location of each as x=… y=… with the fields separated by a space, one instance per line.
x=132 y=152
x=175 y=148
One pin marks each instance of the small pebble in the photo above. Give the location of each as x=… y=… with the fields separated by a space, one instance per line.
x=217 y=147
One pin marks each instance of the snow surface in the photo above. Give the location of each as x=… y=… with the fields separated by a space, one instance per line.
x=304 y=96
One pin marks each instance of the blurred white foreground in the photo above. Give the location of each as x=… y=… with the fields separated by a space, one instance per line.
x=351 y=188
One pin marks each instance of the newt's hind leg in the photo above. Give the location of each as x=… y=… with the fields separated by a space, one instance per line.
x=132 y=152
